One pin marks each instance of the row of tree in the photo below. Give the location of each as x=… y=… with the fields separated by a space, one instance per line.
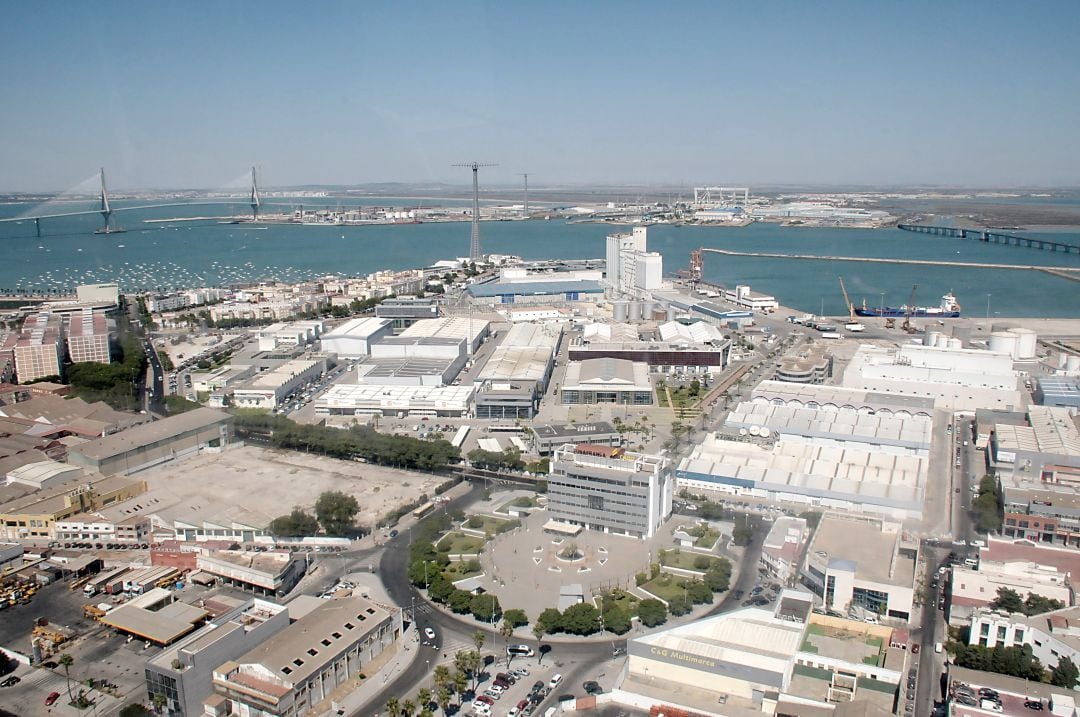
x=358 y=442
x=1017 y=661
x=987 y=506
x=1010 y=601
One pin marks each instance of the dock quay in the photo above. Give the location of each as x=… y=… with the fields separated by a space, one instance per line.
x=1062 y=272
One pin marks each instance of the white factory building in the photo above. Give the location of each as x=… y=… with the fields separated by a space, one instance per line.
x=473 y=330
x=371 y=400
x=852 y=460
x=268 y=390
x=631 y=268
x=354 y=338
x=956 y=379
x=289 y=334
x=745 y=297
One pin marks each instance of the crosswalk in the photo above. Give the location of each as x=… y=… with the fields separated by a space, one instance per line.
x=44 y=679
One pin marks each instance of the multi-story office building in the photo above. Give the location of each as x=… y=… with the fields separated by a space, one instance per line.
x=405 y=312
x=88 y=337
x=1051 y=636
x=546 y=438
x=610 y=489
x=296 y=671
x=39 y=347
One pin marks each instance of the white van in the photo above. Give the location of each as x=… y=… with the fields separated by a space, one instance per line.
x=937 y=647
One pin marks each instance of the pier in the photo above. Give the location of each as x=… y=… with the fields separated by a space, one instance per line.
x=987 y=236
x=1055 y=270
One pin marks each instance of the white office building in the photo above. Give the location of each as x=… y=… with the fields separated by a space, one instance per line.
x=1050 y=635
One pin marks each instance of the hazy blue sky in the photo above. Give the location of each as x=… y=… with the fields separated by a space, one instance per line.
x=193 y=93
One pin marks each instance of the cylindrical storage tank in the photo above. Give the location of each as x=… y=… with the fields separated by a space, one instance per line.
x=647 y=308
x=955 y=343
x=619 y=311
x=1062 y=359
x=633 y=311
x=1026 y=346
x=1073 y=363
x=930 y=338
x=1004 y=342
x=942 y=341
x=671 y=312
x=994 y=328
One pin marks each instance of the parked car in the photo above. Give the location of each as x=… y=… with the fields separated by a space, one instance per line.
x=9 y=681
x=52 y=698
x=592 y=687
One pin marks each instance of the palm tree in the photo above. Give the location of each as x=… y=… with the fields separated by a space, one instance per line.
x=442 y=676
x=461 y=681
x=538 y=633
x=507 y=630
x=393 y=707
x=476 y=663
x=407 y=708
x=66 y=661
x=478 y=638
x=442 y=696
x=423 y=698
x=158 y=700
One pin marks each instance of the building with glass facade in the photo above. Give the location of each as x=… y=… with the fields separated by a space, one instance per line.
x=607 y=380
x=609 y=489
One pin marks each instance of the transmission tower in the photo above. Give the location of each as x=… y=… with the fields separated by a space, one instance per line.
x=474 y=243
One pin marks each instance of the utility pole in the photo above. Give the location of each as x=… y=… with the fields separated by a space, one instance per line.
x=474 y=244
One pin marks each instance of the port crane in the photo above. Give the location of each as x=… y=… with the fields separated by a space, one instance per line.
x=847 y=302
x=906 y=326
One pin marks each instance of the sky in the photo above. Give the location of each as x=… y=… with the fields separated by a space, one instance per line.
x=192 y=94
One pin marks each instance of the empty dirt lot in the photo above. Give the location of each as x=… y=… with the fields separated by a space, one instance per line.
x=263 y=482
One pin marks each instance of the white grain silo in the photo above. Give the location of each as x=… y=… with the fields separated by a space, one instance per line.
x=955 y=343
x=1005 y=342
x=619 y=311
x=930 y=338
x=1027 y=343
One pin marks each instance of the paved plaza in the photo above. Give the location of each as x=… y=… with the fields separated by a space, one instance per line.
x=523 y=566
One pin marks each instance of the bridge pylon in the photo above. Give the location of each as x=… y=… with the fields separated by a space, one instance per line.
x=254 y=196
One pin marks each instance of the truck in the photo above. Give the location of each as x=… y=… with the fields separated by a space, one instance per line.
x=831 y=335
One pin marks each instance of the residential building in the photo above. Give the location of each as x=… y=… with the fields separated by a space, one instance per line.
x=88 y=337
x=610 y=490
x=295 y=671
x=33 y=516
x=861 y=566
x=38 y=348
x=607 y=380
x=782 y=551
x=1050 y=635
x=148 y=444
x=972 y=588
x=183 y=672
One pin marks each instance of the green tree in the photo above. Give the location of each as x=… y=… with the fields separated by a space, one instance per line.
x=581 y=619
x=743 y=532
x=718 y=576
x=652 y=612
x=698 y=592
x=1037 y=604
x=507 y=631
x=460 y=601
x=393 y=706
x=336 y=511
x=66 y=661
x=538 y=633
x=516 y=617
x=294 y=525
x=423 y=698
x=679 y=606
x=1008 y=600
x=617 y=618
x=550 y=621
x=460 y=681
x=407 y=708
x=485 y=607
x=133 y=710
x=442 y=697
x=1065 y=674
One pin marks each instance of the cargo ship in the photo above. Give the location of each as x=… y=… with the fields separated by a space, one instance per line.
x=949 y=309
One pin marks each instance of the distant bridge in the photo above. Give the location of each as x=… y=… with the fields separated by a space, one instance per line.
x=984 y=235
x=106 y=211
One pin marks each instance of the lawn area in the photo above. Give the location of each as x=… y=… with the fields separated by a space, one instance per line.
x=666 y=587
x=686 y=561
x=681 y=397
x=460 y=571
x=661 y=398
x=706 y=536
x=456 y=543
x=489 y=524
x=524 y=501
x=623 y=598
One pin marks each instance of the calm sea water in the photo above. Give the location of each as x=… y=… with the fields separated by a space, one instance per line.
x=157 y=256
